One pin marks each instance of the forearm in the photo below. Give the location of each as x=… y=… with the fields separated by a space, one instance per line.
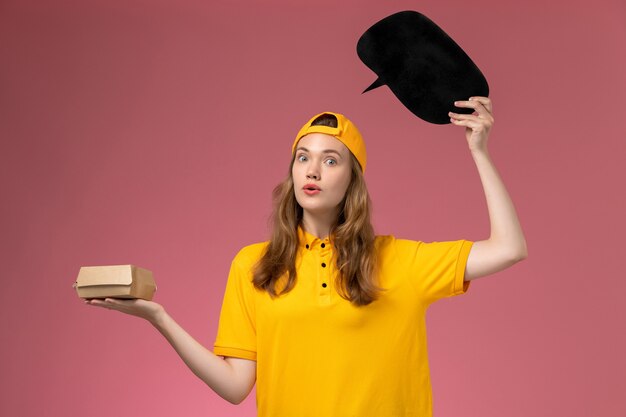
x=506 y=231
x=207 y=366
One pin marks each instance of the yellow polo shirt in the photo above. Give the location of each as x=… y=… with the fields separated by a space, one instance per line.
x=317 y=354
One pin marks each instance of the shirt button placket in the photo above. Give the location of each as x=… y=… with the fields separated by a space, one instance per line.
x=325 y=272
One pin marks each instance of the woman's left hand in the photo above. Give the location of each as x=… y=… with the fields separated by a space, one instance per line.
x=478 y=124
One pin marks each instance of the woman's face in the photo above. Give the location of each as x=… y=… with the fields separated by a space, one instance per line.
x=323 y=161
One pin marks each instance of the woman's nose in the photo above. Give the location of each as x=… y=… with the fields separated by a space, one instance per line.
x=312 y=172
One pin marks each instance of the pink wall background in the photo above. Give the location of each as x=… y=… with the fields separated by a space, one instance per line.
x=152 y=132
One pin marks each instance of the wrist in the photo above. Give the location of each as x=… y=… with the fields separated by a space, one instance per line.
x=480 y=152
x=158 y=317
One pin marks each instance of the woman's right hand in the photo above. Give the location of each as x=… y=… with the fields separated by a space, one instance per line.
x=148 y=310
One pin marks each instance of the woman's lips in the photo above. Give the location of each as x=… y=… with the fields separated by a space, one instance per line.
x=311 y=189
x=311 y=186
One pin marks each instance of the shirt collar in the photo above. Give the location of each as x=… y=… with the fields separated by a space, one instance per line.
x=309 y=241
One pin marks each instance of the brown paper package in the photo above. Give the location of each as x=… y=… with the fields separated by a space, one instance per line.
x=115 y=281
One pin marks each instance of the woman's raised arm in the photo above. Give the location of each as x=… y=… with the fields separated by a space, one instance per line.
x=506 y=244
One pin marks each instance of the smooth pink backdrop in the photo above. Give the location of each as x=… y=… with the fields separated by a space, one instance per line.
x=152 y=132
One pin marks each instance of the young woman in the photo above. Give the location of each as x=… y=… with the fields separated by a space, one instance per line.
x=327 y=318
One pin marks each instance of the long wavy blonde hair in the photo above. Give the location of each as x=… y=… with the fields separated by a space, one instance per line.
x=351 y=234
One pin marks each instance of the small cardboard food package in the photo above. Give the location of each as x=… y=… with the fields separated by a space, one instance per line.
x=115 y=281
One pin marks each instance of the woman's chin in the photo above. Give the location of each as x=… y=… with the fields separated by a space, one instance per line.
x=319 y=210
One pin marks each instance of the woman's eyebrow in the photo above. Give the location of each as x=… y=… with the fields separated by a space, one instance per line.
x=302 y=148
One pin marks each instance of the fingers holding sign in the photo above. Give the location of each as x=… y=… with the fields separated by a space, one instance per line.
x=478 y=124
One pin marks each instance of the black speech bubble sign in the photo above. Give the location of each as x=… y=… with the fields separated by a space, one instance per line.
x=421 y=65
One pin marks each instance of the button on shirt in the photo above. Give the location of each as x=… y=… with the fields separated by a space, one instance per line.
x=319 y=355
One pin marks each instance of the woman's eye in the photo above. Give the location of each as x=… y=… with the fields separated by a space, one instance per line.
x=330 y=161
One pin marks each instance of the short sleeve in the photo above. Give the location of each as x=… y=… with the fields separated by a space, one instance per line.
x=436 y=269
x=236 y=333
